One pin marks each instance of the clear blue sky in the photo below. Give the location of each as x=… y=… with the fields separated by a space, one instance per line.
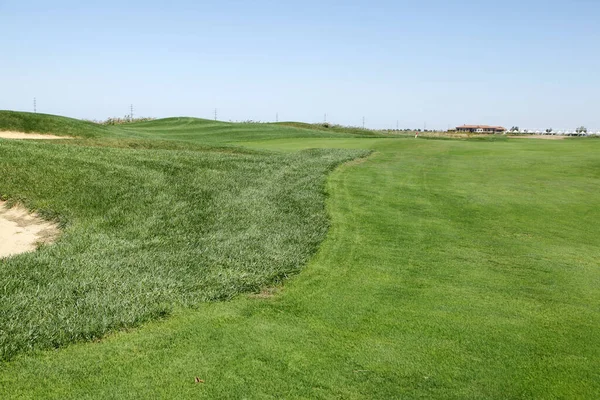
x=530 y=63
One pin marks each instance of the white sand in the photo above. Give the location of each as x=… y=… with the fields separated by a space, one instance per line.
x=21 y=135
x=21 y=231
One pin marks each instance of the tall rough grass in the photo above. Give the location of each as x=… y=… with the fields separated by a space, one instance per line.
x=125 y=120
x=147 y=230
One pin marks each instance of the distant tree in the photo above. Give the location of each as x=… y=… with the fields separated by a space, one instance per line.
x=514 y=129
x=581 y=129
x=549 y=130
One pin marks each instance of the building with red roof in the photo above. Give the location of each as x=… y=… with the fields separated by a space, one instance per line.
x=480 y=129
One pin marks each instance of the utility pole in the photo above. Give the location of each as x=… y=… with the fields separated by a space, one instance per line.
x=34 y=105
x=397 y=125
x=325 y=118
x=215 y=114
x=131 y=112
x=363 y=122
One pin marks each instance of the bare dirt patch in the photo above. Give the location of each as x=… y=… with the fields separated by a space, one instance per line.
x=265 y=293
x=22 y=135
x=21 y=231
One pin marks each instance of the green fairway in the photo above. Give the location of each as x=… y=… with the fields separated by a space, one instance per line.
x=451 y=269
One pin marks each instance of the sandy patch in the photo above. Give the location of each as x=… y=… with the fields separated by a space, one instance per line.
x=21 y=231
x=21 y=135
x=266 y=293
x=547 y=137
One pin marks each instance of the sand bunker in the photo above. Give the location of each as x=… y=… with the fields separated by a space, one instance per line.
x=21 y=231
x=546 y=137
x=21 y=135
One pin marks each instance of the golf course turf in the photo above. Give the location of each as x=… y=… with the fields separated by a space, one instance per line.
x=451 y=268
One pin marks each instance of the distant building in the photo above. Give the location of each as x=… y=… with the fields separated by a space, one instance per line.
x=480 y=129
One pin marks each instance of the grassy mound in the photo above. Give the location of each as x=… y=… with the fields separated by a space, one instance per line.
x=51 y=124
x=183 y=129
x=150 y=228
x=207 y=131
x=332 y=128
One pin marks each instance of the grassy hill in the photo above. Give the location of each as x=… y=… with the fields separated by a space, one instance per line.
x=217 y=132
x=50 y=124
x=332 y=128
x=183 y=129
x=173 y=223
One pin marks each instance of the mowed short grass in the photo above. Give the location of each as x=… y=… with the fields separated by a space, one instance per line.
x=452 y=269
